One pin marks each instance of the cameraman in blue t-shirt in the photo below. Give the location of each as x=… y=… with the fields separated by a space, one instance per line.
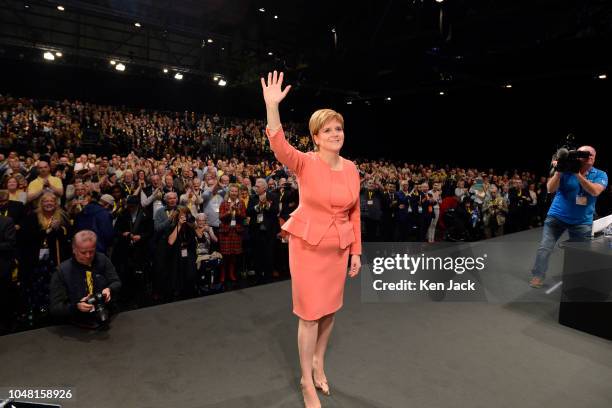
x=572 y=209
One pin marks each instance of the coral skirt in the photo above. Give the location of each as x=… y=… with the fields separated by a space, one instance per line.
x=318 y=275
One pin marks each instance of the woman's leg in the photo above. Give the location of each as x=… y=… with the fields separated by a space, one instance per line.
x=307 y=340
x=326 y=324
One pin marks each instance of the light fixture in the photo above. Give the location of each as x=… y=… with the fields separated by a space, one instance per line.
x=270 y=53
x=216 y=78
x=165 y=70
x=442 y=93
x=27 y=6
x=49 y=56
x=61 y=8
x=59 y=54
x=349 y=102
x=263 y=10
x=178 y=76
x=137 y=24
x=275 y=17
x=388 y=98
x=210 y=40
x=439 y=1
x=334 y=30
x=113 y=62
x=602 y=76
x=222 y=82
x=508 y=86
x=120 y=67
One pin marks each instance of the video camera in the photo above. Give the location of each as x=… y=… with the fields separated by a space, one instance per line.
x=568 y=157
x=568 y=161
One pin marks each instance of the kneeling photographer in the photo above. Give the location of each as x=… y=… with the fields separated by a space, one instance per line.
x=85 y=286
x=576 y=184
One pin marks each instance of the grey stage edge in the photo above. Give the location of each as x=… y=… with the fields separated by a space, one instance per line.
x=238 y=350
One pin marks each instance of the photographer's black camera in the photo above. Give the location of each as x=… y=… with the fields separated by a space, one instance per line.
x=97 y=300
x=190 y=218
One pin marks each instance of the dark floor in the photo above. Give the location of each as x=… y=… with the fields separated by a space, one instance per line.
x=238 y=349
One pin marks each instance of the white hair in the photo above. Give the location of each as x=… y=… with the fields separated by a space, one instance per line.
x=84 y=236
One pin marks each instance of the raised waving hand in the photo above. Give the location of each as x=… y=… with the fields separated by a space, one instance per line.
x=272 y=89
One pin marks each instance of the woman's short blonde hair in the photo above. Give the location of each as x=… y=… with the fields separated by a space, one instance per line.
x=320 y=118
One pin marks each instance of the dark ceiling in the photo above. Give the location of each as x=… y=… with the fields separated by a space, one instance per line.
x=379 y=49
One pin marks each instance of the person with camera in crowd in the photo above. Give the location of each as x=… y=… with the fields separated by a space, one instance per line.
x=494 y=212
x=576 y=184
x=83 y=287
x=180 y=255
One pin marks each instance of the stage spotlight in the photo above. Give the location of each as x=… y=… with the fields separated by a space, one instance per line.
x=210 y=40
x=602 y=76
x=49 y=56
x=222 y=82
x=137 y=24
x=508 y=86
x=61 y=8
x=263 y=10
x=276 y=17
x=270 y=53
x=165 y=70
x=178 y=76
x=59 y=54
x=120 y=67
x=442 y=93
x=388 y=98
x=113 y=62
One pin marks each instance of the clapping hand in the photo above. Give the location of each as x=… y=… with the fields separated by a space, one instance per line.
x=272 y=92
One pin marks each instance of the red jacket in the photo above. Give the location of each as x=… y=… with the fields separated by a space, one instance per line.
x=315 y=215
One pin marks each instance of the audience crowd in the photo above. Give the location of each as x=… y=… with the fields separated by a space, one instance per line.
x=186 y=204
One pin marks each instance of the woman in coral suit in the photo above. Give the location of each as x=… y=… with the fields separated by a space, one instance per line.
x=325 y=229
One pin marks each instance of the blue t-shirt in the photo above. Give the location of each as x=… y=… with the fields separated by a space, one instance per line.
x=564 y=206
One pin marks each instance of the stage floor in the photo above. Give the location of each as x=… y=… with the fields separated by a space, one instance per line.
x=238 y=350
